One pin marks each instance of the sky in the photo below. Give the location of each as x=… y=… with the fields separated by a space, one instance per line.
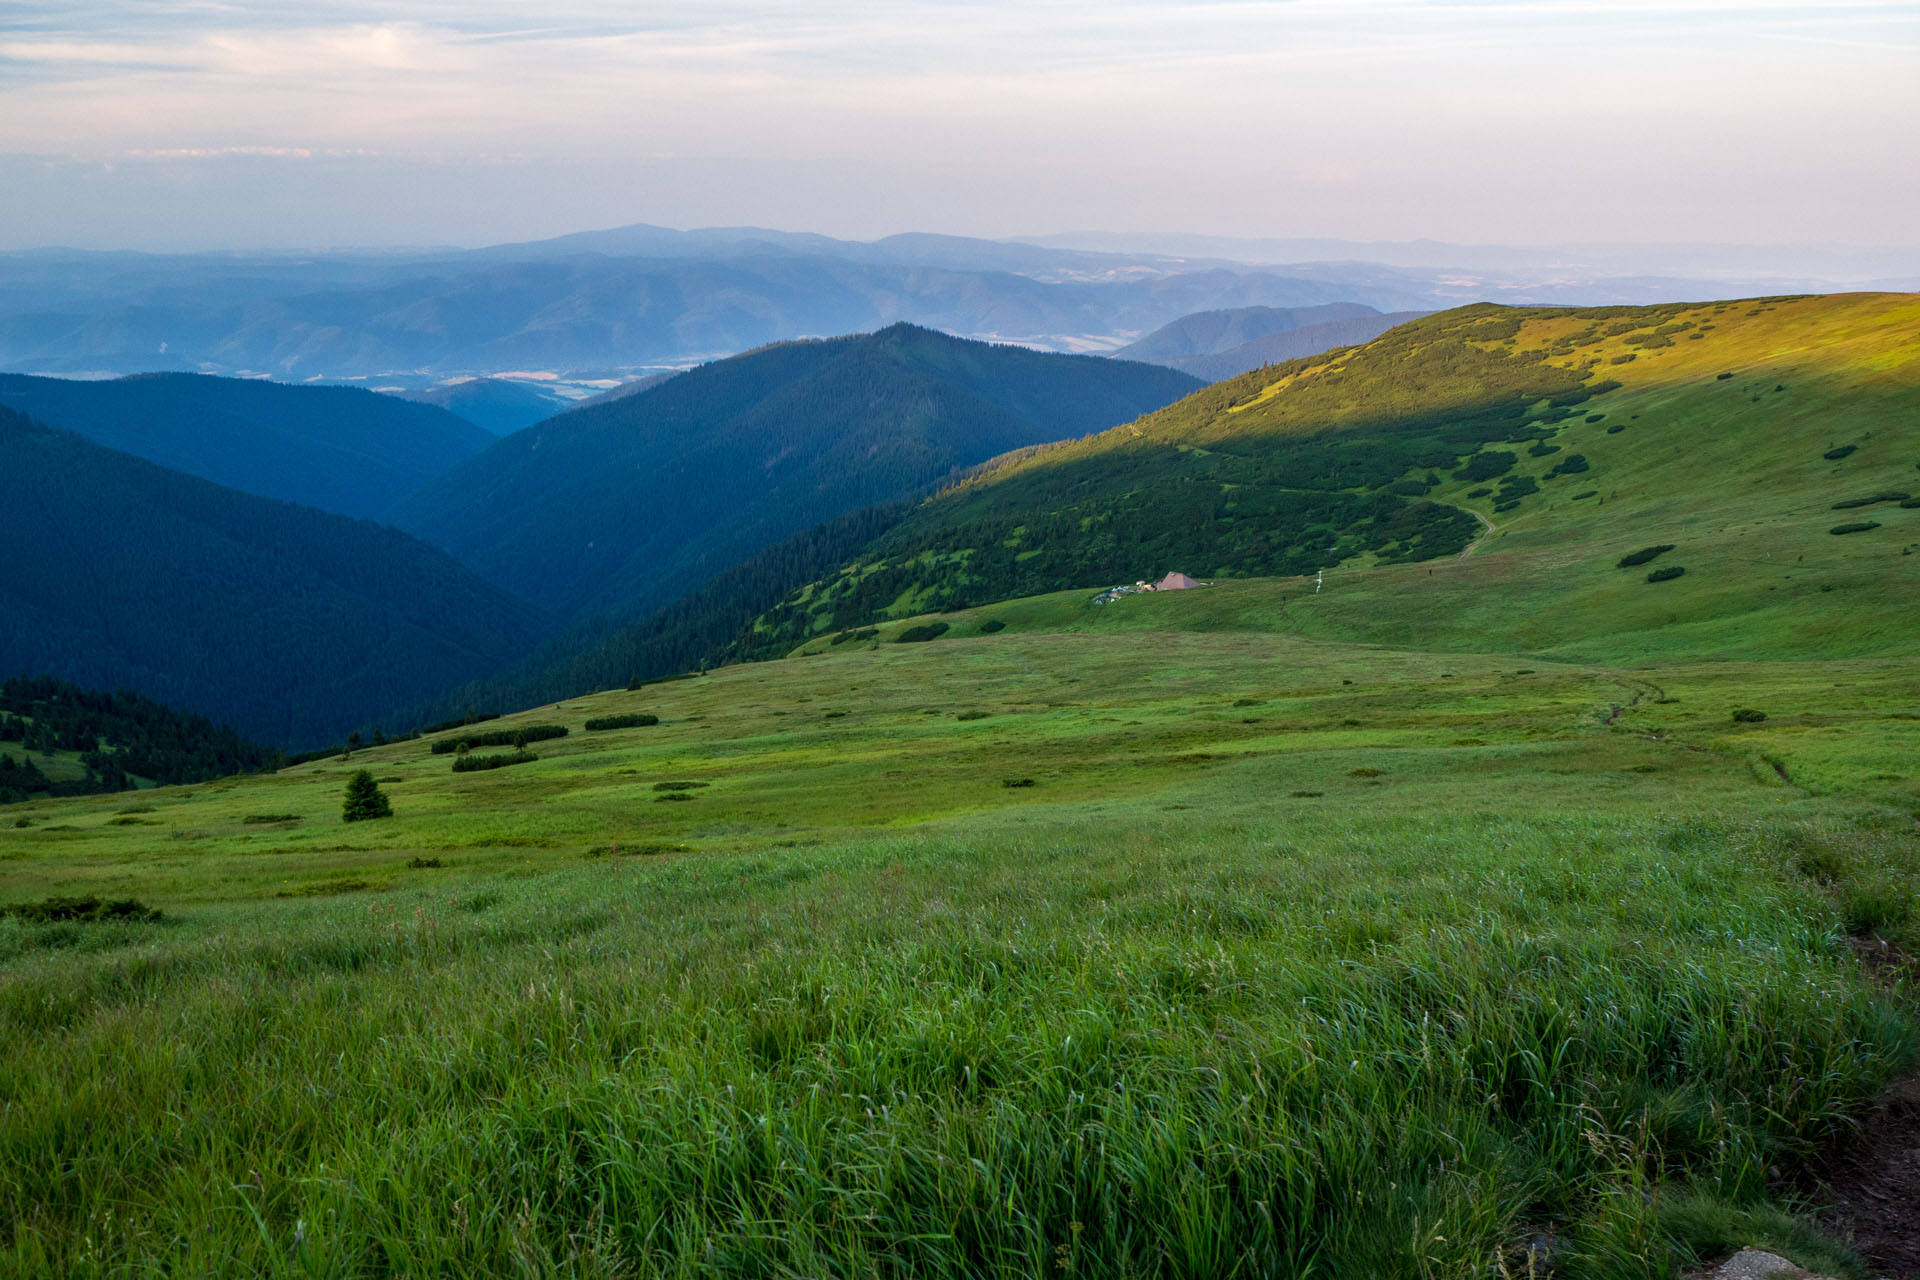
x=157 y=124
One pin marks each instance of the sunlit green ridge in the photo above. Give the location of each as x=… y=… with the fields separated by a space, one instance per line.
x=1577 y=436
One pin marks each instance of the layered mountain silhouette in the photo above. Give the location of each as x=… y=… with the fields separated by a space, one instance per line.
x=1215 y=345
x=341 y=449
x=291 y=624
x=638 y=500
x=498 y=406
x=618 y=300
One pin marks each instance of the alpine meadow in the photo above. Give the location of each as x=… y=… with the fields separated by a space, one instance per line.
x=1500 y=903
x=1355 y=718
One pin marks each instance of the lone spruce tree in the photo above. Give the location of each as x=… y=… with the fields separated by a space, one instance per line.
x=365 y=799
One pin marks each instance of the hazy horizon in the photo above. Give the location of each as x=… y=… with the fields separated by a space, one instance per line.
x=177 y=126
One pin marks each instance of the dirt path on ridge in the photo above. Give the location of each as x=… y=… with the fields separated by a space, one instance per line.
x=1474 y=546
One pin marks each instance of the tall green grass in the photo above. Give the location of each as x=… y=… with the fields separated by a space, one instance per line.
x=1335 y=1046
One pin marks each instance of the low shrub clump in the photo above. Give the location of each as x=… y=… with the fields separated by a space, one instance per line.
x=500 y=738
x=1857 y=526
x=1571 y=465
x=1889 y=496
x=922 y=633
x=634 y=720
x=1485 y=466
x=462 y=722
x=1747 y=715
x=85 y=910
x=854 y=637
x=992 y=625
x=265 y=819
x=679 y=786
x=971 y=715
x=1644 y=554
x=1016 y=782
x=1667 y=574
x=478 y=764
x=1834 y=455
x=644 y=849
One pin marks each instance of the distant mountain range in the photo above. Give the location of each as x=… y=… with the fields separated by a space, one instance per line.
x=1213 y=345
x=293 y=625
x=595 y=304
x=635 y=299
x=341 y=449
x=643 y=497
x=497 y=406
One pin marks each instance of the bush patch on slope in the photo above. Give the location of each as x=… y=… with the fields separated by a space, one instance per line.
x=1644 y=554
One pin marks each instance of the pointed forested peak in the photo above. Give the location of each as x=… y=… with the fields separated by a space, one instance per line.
x=631 y=502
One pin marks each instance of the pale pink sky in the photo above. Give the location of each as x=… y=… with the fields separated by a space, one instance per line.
x=192 y=125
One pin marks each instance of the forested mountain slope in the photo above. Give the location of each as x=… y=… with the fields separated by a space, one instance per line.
x=341 y=449
x=59 y=739
x=643 y=498
x=1771 y=445
x=291 y=624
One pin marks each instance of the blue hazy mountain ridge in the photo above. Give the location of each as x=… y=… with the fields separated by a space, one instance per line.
x=1206 y=333
x=498 y=406
x=631 y=387
x=612 y=313
x=630 y=297
x=291 y=624
x=342 y=449
x=619 y=299
x=630 y=503
x=1275 y=345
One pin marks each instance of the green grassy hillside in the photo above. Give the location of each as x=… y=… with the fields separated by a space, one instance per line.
x=1477 y=914
x=1579 y=436
x=1015 y=954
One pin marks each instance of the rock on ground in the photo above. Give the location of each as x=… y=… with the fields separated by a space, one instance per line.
x=1753 y=1264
